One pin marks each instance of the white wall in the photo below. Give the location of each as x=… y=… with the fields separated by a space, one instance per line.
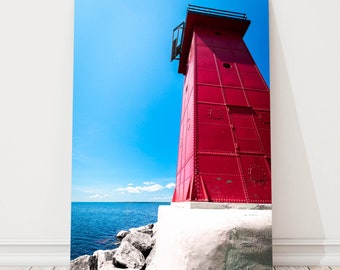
x=36 y=57
x=36 y=73
x=305 y=84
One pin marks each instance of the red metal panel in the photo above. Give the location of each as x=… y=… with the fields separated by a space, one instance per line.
x=258 y=99
x=235 y=96
x=257 y=178
x=180 y=160
x=245 y=130
x=221 y=186
x=241 y=57
x=212 y=114
x=236 y=42
x=224 y=55
x=218 y=164
x=248 y=68
x=262 y=120
x=204 y=52
x=214 y=132
x=189 y=168
x=229 y=76
x=227 y=71
x=215 y=138
x=222 y=41
x=207 y=76
x=186 y=188
x=189 y=128
x=202 y=36
x=205 y=63
x=207 y=93
x=253 y=81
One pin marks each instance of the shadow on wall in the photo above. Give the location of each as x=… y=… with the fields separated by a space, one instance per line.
x=296 y=213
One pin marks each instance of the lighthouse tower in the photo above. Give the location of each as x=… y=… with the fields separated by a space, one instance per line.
x=224 y=146
x=220 y=216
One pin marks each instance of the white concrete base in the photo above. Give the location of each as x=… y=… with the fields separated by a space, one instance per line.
x=210 y=205
x=214 y=239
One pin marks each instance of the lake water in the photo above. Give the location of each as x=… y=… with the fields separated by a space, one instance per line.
x=95 y=225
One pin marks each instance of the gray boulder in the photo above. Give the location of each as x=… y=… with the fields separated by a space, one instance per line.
x=154 y=234
x=249 y=249
x=85 y=262
x=127 y=256
x=143 y=229
x=105 y=259
x=140 y=241
x=121 y=234
x=136 y=247
x=107 y=267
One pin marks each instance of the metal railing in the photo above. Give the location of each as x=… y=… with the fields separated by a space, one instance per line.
x=177 y=35
x=217 y=12
x=177 y=39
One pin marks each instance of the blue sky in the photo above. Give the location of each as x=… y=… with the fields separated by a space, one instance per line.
x=127 y=94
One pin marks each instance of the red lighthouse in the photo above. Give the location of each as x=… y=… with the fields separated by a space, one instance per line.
x=224 y=146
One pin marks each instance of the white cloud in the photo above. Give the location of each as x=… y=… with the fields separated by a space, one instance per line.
x=99 y=196
x=130 y=189
x=170 y=185
x=130 y=185
x=147 y=183
x=153 y=188
x=139 y=189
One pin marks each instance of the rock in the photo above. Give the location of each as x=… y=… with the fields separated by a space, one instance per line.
x=144 y=229
x=108 y=267
x=112 y=267
x=154 y=234
x=150 y=260
x=136 y=246
x=155 y=227
x=140 y=241
x=127 y=256
x=121 y=234
x=85 y=262
x=105 y=259
x=80 y=263
x=249 y=248
x=93 y=263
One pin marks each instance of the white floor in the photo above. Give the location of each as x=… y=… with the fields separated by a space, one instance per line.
x=67 y=268
x=34 y=268
x=306 y=267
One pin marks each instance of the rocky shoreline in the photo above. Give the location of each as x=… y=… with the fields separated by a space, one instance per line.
x=136 y=251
